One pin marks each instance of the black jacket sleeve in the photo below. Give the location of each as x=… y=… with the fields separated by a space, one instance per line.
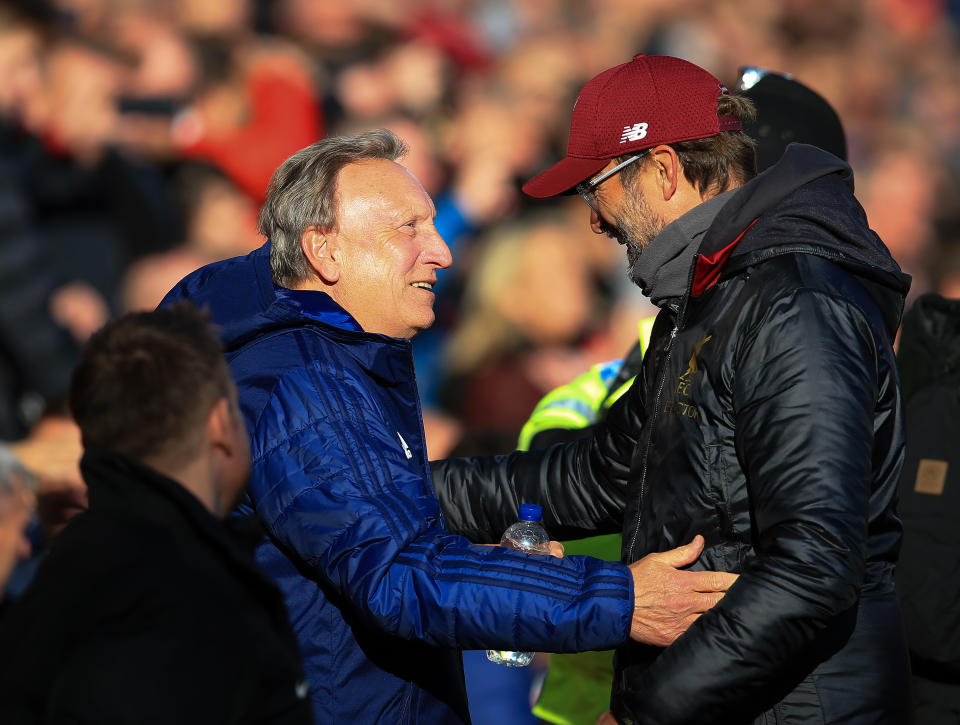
x=582 y=485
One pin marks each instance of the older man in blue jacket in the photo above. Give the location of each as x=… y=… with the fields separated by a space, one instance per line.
x=316 y=324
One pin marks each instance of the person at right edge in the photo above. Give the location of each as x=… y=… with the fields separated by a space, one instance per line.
x=929 y=359
x=577 y=686
x=767 y=412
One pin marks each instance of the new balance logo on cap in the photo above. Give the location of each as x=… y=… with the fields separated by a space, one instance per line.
x=677 y=100
x=633 y=133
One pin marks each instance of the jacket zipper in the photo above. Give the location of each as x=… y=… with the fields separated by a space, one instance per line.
x=680 y=313
x=661 y=378
x=679 y=320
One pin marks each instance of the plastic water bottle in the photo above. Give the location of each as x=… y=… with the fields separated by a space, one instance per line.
x=527 y=534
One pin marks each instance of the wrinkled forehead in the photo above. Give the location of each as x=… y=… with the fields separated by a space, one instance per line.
x=382 y=187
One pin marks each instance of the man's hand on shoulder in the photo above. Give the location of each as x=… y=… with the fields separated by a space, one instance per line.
x=668 y=600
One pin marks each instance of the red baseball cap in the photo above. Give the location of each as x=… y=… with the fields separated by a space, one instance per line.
x=649 y=101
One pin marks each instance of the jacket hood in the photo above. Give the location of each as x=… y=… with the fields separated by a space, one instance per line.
x=244 y=303
x=804 y=203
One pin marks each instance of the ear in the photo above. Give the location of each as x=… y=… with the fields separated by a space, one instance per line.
x=669 y=171
x=227 y=455
x=221 y=428
x=318 y=249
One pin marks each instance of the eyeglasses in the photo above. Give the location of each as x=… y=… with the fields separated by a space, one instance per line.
x=750 y=75
x=586 y=189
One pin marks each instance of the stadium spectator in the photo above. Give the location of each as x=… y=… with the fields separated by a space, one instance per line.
x=147 y=608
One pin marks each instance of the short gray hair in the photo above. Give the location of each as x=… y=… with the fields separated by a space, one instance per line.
x=302 y=193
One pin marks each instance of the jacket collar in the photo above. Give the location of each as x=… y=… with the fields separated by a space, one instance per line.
x=244 y=303
x=316 y=305
x=120 y=484
x=662 y=271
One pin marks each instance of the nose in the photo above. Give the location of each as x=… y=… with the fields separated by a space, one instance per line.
x=436 y=252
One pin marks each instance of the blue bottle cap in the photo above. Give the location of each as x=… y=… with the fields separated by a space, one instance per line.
x=530 y=512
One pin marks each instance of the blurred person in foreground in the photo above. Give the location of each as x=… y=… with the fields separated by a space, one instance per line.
x=148 y=608
x=317 y=326
x=16 y=506
x=767 y=413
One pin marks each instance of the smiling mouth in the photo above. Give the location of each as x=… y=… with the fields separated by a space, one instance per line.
x=423 y=285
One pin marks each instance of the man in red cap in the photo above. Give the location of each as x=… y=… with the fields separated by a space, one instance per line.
x=767 y=414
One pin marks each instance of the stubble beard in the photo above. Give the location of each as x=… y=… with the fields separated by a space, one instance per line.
x=635 y=227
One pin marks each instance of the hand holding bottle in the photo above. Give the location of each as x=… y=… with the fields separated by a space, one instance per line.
x=527 y=535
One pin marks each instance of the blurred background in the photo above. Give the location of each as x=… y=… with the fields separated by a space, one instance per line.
x=137 y=138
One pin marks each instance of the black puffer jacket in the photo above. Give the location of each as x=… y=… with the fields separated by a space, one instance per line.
x=768 y=417
x=147 y=609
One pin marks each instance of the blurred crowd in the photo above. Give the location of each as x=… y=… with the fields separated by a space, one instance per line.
x=137 y=138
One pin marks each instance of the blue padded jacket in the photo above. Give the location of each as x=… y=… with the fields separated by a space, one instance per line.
x=381 y=596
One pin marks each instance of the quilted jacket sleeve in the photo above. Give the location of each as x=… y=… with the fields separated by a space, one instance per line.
x=804 y=402
x=367 y=523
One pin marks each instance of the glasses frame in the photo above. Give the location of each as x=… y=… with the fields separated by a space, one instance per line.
x=586 y=188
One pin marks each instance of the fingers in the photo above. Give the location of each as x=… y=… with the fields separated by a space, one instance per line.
x=556 y=548
x=696 y=592
x=683 y=555
x=708 y=581
x=680 y=606
x=697 y=604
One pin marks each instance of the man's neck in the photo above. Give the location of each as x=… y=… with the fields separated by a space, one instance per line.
x=663 y=269
x=196 y=476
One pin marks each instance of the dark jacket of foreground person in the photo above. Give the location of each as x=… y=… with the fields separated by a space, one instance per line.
x=767 y=417
x=147 y=610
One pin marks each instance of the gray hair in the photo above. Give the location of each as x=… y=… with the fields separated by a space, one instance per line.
x=303 y=193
